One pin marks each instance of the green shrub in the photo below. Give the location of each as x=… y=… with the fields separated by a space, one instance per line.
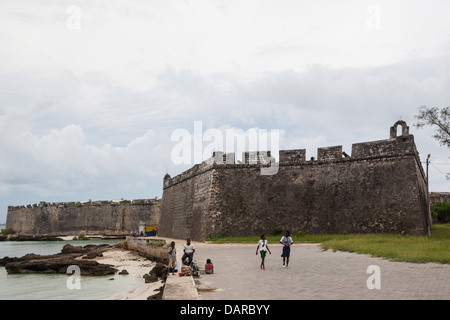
x=8 y=231
x=440 y=212
x=81 y=236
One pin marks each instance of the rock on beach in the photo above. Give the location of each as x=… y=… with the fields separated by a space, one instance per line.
x=58 y=263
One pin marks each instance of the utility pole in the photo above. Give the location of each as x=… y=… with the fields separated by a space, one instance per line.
x=428 y=197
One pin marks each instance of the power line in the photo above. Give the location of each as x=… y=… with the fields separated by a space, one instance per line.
x=438 y=163
x=445 y=174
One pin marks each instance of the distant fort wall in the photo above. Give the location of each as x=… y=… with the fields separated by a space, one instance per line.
x=436 y=197
x=380 y=188
x=91 y=217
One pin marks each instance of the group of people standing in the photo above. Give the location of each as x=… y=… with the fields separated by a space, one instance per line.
x=263 y=247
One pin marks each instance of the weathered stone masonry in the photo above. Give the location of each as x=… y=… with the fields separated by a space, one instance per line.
x=380 y=188
x=92 y=217
x=436 y=197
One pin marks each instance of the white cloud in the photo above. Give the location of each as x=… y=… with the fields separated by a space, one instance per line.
x=88 y=113
x=61 y=163
x=132 y=43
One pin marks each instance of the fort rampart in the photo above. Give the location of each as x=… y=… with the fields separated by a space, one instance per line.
x=90 y=217
x=380 y=188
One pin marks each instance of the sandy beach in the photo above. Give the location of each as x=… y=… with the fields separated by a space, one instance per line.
x=136 y=266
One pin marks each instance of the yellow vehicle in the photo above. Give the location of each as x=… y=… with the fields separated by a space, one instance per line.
x=150 y=231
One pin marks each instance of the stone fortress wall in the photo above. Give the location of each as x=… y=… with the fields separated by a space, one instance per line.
x=380 y=188
x=436 y=197
x=90 y=217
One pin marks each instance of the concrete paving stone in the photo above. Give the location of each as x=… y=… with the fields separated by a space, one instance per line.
x=313 y=273
x=179 y=288
x=317 y=274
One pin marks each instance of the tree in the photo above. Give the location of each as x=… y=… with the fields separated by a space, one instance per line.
x=440 y=212
x=436 y=117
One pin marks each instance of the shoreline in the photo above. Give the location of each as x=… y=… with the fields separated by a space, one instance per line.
x=136 y=266
x=15 y=237
x=119 y=259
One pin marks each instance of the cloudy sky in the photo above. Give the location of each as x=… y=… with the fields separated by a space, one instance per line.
x=91 y=91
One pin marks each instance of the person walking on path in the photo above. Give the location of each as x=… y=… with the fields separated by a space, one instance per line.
x=286 y=241
x=172 y=257
x=188 y=251
x=264 y=248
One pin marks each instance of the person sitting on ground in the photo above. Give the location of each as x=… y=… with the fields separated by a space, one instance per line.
x=188 y=251
x=209 y=267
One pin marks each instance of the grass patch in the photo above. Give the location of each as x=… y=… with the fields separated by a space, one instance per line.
x=390 y=246
x=155 y=243
x=302 y=237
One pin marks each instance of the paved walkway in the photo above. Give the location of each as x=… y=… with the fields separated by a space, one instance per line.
x=313 y=274
x=180 y=288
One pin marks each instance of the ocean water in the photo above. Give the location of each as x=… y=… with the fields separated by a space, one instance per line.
x=55 y=286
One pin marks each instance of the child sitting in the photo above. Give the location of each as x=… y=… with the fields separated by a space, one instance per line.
x=209 y=267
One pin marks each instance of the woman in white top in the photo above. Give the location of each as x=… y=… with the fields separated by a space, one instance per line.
x=264 y=248
x=286 y=241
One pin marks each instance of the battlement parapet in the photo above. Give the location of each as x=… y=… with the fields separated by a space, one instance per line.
x=42 y=204
x=402 y=145
x=329 y=154
x=395 y=146
x=192 y=172
x=292 y=156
